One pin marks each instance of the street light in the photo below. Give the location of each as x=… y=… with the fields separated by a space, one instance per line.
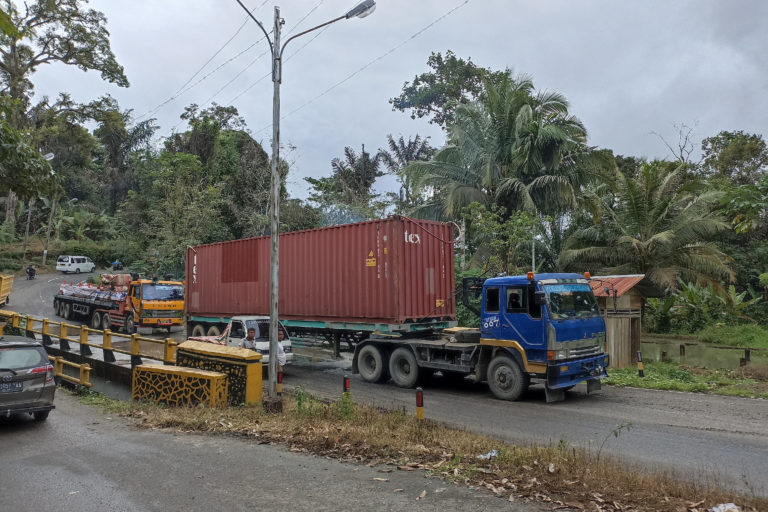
x=361 y=10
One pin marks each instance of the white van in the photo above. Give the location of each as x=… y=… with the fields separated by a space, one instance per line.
x=75 y=264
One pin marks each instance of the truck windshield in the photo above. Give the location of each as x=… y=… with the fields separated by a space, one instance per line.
x=162 y=292
x=571 y=300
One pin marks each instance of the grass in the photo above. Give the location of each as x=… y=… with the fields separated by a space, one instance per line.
x=750 y=381
x=751 y=335
x=558 y=475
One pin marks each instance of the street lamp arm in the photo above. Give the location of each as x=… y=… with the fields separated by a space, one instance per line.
x=271 y=50
x=307 y=31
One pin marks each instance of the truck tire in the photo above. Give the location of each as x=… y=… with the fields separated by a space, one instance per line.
x=403 y=368
x=198 y=330
x=370 y=364
x=505 y=378
x=66 y=312
x=96 y=320
x=129 y=325
x=214 y=330
x=56 y=305
x=106 y=324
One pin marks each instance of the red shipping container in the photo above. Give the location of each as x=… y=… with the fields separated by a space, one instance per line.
x=395 y=271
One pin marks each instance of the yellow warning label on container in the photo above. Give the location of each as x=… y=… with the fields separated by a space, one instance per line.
x=439 y=303
x=370 y=261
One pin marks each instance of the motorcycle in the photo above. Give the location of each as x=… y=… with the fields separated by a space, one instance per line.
x=31 y=273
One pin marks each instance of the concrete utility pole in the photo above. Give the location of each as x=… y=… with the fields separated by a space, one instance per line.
x=361 y=10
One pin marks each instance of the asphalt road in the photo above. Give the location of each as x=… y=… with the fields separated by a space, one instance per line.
x=696 y=436
x=82 y=459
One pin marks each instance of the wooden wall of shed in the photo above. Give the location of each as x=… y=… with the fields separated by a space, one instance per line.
x=622 y=336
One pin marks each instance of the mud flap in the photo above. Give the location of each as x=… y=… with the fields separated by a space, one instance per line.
x=593 y=385
x=554 y=395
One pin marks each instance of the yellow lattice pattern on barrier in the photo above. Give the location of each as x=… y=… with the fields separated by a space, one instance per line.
x=179 y=386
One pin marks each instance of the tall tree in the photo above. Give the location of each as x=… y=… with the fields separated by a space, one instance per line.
x=396 y=158
x=349 y=187
x=436 y=94
x=740 y=157
x=44 y=32
x=657 y=224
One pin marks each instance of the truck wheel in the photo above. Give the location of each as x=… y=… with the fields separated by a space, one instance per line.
x=403 y=368
x=370 y=364
x=96 y=320
x=56 y=308
x=214 y=331
x=505 y=378
x=198 y=330
x=66 y=311
x=105 y=322
x=129 y=325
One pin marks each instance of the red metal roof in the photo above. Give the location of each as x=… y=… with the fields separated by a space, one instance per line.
x=622 y=284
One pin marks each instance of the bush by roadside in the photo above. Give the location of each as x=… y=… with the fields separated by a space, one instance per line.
x=749 y=335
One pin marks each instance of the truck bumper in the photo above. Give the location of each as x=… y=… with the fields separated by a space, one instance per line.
x=569 y=373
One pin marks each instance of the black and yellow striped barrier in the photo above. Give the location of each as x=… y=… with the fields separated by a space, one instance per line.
x=28 y=323
x=640 y=371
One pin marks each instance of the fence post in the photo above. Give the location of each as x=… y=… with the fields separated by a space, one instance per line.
x=46 y=332
x=30 y=325
x=135 y=357
x=168 y=357
x=15 y=320
x=58 y=367
x=640 y=371
x=63 y=342
x=85 y=375
x=85 y=350
x=106 y=345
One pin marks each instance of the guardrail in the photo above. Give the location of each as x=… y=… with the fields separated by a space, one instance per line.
x=84 y=378
x=27 y=323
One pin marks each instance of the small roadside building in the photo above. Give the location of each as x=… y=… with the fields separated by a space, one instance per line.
x=621 y=299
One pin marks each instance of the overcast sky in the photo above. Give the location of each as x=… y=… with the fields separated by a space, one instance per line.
x=629 y=68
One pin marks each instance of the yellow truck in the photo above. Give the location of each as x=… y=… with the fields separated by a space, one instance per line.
x=123 y=301
x=6 y=285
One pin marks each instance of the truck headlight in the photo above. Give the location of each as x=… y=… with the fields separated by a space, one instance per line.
x=561 y=354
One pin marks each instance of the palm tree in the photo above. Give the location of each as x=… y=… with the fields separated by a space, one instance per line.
x=396 y=159
x=655 y=224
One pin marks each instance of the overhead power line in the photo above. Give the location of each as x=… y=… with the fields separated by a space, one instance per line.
x=372 y=62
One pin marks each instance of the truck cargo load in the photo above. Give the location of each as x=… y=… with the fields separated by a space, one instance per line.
x=389 y=273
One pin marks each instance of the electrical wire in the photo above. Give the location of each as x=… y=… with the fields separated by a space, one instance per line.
x=369 y=64
x=182 y=89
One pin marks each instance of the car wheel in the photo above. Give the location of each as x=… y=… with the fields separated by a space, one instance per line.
x=403 y=368
x=129 y=325
x=40 y=415
x=77 y=271
x=105 y=322
x=370 y=364
x=198 y=330
x=96 y=320
x=505 y=378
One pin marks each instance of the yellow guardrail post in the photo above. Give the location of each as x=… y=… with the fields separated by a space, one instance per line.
x=169 y=356
x=106 y=345
x=85 y=350
x=135 y=355
x=58 y=367
x=63 y=341
x=15 y=320
x=46 y=332
x=85 y=375
x=29 y=325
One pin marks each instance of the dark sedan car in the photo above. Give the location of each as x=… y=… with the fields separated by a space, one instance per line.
x=26 y=378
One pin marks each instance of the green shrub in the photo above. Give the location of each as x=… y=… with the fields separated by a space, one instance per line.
x=748 y=335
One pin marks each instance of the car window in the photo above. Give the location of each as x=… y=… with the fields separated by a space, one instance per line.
x=237 y=330
x=18 y=358
x=63 y=259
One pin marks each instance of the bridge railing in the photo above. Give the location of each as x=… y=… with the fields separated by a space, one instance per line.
x=84 y=377
x=80 y=334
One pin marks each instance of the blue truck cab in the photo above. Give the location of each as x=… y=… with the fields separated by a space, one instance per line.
x=550 y=325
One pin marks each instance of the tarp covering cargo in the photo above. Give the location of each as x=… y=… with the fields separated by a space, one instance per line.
x=396 y=270
x=88 y=291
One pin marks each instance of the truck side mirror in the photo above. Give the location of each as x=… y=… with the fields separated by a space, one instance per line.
x=539 y=298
